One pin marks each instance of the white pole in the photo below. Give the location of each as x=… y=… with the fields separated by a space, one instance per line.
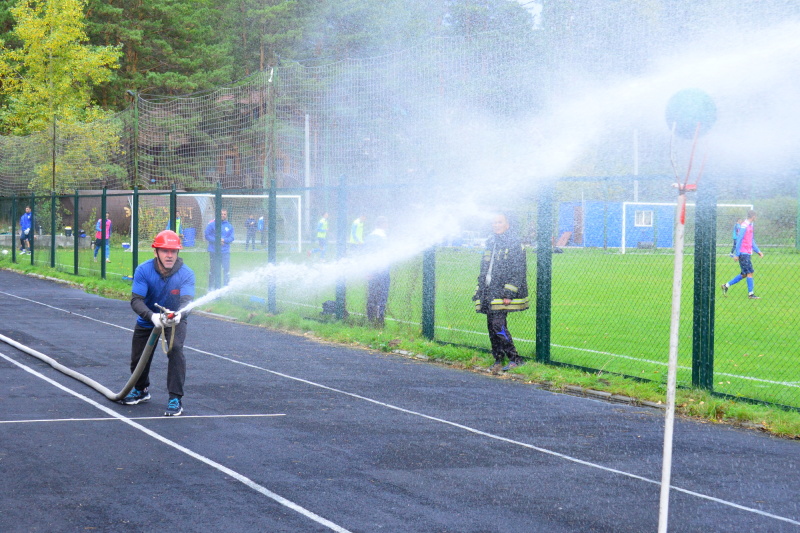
x=672 y=365
x=635 y=164
x=299 y=227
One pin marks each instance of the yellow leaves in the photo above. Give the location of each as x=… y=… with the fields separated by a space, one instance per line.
x=53 y=72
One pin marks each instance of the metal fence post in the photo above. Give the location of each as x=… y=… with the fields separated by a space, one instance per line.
x=173 y=209
x=341 y=247
x=103 y=235
x=14 y=229
x=544 y=267
x=34 y=224
x=52 y=228
x=272 y=246
x=214 y=278
x=429 y=293
x=76 y=233
x=705 y=262
x=135 y=236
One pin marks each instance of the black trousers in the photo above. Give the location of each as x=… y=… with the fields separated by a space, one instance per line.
x=500 y=337
x=176 y=364
x=377 y=296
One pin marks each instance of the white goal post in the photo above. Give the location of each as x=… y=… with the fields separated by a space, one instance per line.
x=625 y=205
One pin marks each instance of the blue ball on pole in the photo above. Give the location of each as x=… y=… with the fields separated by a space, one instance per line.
x=689 y=109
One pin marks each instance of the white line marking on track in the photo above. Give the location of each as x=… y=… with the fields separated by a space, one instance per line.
x=182 y=417
x=502 y=439
x=224 y=469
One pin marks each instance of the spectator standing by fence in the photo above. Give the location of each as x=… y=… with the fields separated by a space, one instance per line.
x=26 y=231
x=262 y=228
x=322 y=236
x=99 y=240
x=379 y=279
x=250 y=226
x=502 y=288
x=225 y=239
x=356 y=239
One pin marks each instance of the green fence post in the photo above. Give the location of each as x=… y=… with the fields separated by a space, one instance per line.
x=544 y=266
x=52 y=228
x=705 y=262
x=14 y=229
x=75 y=233
x=103 y=237
x=135 y=230
x=135 y=142
x=34 y=224
x=215 y=276
x=797 y=220
x=272 y=246
x=173 y=209
x=429 y=292
x=342 y=228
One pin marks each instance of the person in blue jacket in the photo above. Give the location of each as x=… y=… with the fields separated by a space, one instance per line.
x=25 y=231
x=165 y=281
x=225 y=240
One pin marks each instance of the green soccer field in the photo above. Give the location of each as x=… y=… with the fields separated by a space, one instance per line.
x=612 y=312
x=609 y=312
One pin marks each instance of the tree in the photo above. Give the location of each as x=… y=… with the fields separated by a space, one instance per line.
x=264 y=30
x=52 y=72
x=170 y=47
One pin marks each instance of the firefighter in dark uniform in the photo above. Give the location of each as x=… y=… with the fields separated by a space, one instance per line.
x=502 y=288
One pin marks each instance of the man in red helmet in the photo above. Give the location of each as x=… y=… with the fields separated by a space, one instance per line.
x=165 y=281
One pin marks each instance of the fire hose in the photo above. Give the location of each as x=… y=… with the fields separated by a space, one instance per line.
x=167 y=318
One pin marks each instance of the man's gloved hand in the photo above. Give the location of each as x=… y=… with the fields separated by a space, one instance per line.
x=156 y=320
x=27 y=231
x=173 y=320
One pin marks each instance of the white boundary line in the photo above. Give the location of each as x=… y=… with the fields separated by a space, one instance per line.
x=388 y=406
x=182 y=417
x=225 y=470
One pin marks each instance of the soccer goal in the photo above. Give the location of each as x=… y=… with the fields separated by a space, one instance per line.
x=196 y=210
x=651 y=224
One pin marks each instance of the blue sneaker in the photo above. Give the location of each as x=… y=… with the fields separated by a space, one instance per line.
x=174 y=407
x=136 y=396
x=512 y=364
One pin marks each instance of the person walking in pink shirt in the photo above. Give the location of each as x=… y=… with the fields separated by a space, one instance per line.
x=744 y=248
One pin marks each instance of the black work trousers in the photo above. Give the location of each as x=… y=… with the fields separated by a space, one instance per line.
x=176 y=364
x=500 y=337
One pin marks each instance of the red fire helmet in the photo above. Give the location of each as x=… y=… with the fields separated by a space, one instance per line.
x=168 y=240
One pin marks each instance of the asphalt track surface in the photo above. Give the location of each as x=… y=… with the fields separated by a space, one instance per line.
x=282 y=433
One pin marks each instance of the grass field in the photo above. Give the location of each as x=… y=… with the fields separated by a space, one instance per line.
x=609 y=311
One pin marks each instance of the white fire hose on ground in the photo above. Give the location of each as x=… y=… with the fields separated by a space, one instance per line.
x=167 y=318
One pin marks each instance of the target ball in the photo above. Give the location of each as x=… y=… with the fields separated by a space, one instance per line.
x=689 y=108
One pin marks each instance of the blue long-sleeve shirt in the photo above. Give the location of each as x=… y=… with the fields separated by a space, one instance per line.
x=227 y=236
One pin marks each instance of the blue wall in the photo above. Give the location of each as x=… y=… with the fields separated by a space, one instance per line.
x=602 y=221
